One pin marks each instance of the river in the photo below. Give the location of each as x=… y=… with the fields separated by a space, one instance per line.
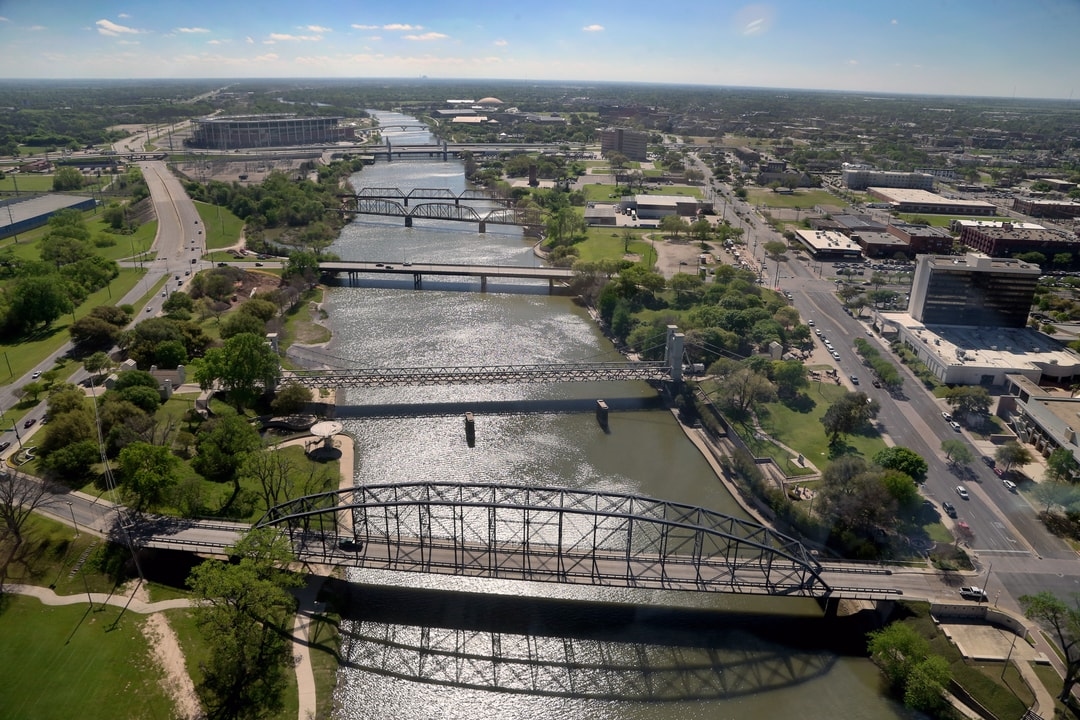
x=431 y=646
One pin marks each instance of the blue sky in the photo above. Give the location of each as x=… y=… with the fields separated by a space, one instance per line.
x=1022 y=48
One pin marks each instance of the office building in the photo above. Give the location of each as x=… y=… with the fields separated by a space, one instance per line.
x=631 y=143
x=973 y=290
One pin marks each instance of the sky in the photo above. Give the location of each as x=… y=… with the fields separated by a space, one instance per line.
x=1004 y=48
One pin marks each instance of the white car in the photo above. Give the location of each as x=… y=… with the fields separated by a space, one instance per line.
x=1009 y=485
x=836 y=355
x=962 y=492
x=955 y=426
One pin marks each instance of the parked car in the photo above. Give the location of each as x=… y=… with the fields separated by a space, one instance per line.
x=962 y=492
x=955 y=426
x=974 y=592
x=989 y=461
x=877 y=383
x=949 y=509
x=1009 y=485
x=946 y=415
x=854 y=379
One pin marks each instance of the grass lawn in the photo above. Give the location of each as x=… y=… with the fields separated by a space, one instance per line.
x=803 y=431
x=605 y=243
x=600 y=192
x=65 y=662
x=301 y=322
x=944 y=220
x=222 y=228
x=801 y=198
x=23 y=355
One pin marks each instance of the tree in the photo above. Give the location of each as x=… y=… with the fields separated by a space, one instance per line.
x=1013 y=453
x=968 y=400
x=847 y=414
x=37 y=301
x=1061 y=465
x=244 y=611
x=775 y=250
x=67 y=178
x=290 y=398
x=957 y=452
x=701 y=229
x=20 y=496
x=903 y=459
x=148 y=473
x=239 y=322
x=904 y=656
x=673 y=225
x=1063 y=620
x=97 y=363
x=244 y=367
x=221 y=445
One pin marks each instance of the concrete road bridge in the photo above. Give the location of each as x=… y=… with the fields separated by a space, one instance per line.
x=352 y=269
x=530 y=218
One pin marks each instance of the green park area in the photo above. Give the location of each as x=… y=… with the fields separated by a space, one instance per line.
x=800 y=198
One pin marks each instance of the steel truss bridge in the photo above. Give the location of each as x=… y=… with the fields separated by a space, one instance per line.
x=670 y=368
x=393 y=193
x=546 y=534
x=480 y=375
x=530 y=218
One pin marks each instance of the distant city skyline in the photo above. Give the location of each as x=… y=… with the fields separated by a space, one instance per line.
x=937 y=47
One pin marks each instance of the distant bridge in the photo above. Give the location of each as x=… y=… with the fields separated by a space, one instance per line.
x=393 y=193
x=419 y=270
x=531 y=218
x=546 y=534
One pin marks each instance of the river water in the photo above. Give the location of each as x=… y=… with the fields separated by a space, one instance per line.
x=431 y=646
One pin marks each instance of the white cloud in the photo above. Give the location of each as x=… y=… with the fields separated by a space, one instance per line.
x=593 y=28
x=4 y=19
x=215 y=42
x=108 y=27
x=400 y=26
x=426 y=36
x=317 y=29
x=128 y=42
x=894 y=21
x=192 y=30
x=37 y=28
x=358 y=26
x=852 y=62
x=500 y=43
x=285 y=37
x=123 y=16
x=249 y=40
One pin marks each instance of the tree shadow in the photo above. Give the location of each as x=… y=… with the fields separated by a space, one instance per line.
x=841 y=447
x=801 y=403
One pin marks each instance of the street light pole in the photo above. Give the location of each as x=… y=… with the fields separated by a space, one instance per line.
x=72 y=511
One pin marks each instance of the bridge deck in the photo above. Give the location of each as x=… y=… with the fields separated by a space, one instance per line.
x=489 y=271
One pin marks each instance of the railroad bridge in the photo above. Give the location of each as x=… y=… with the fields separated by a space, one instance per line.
x=380 y=202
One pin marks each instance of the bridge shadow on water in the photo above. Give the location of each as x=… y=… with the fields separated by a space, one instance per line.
x=496 y=407
x=584 y=650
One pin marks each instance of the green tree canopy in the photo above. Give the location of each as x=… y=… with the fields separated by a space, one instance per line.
x=244 y=367
x=1062 y=619
x=903 y=459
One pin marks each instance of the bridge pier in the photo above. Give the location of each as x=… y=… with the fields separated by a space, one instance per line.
x=416 y=281
x=445 y=153
x=673 y=352
x=408 y=221
x=483 y=283
x=470 y=430
x=483 y=226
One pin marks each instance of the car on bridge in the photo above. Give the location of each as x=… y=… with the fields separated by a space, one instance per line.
x=973 y=592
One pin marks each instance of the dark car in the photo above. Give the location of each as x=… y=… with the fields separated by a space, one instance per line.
x=29 y=422
x=351 y=545
x=989 y=461
x=5 y=445
x=949 y=509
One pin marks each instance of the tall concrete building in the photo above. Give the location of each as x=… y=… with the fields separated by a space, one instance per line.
x=973 y=290
x=631 y=143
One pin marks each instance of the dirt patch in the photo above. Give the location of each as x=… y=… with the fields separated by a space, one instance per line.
x=166 y=652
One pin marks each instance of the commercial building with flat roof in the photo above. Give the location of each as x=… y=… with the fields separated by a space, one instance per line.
x=973 y=290
x=922 y=239
x=862 y=178
x=980 y=355
x=657 y=206
x=1045 y=418
x=1046 y=208
x=28 y=212
x=1007 y=239
x=921 y=201
x=828 y=243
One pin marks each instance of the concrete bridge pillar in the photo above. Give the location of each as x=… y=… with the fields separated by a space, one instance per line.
x=673 y=352
x=416 y=280
x=408 y=221
x=483 y=283
x=483 y=226
x=389 y=151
